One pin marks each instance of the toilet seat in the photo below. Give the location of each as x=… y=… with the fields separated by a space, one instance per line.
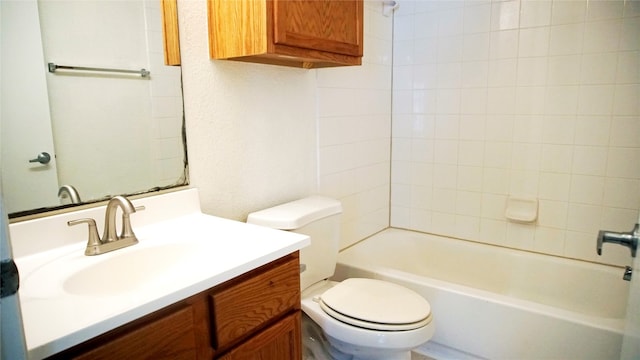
x=376 y=305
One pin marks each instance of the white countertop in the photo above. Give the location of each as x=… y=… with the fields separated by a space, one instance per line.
x=205 y=251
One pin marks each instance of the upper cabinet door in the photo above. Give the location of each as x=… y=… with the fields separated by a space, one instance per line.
x=299 y=33
x=331 y=26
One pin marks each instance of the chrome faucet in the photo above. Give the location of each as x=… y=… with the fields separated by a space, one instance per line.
x=628 y=239
x=110 y=233
x=111 y=240
x=68 y=191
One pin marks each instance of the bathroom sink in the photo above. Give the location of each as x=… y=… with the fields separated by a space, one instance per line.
x=142 y=267
x=124 y=272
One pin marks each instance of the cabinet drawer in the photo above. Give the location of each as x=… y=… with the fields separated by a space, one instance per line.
x=243 y=308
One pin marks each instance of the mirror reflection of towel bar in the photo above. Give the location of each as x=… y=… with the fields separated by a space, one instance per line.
x=53 y=67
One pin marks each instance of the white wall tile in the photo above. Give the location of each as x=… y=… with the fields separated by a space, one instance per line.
x=520 y=236
x=558 y=129
x=549 y=240
x=501 y=100
x=630 y=37
x=561 y=100
x=598 y=68
x=621 y=193
x=595 y=99
x=476 y=46
x=556 y=158
x=532 y=71
x=495 y=180
x=505 y=15
x=564 y=69
x=450 y=21
x=475 y=74
x=504 y=44
x=579 y=245
x=526 y=156
x=568 y=11
x=527 y=129
x=473 y=101
x=472 y=127
x=497 y=155
x=584 y=218
x=477 y=18
x=566 y=39
x=447 y=126
x=625 y=131
x=542 y=103
x=602 y=36
x=587 y=189
x=524 y=182
x=602 y=9
x=554 y=186
x=450 y=49
x=470 y=179
x=445 y=176
x=623 y=163
x=503 y=72
x=628 y=70
x=530 y=100
x=595 y=130
x=493 y=231
x=533 y=42
x=625 y=101
x=535 y=13
x=553 y=214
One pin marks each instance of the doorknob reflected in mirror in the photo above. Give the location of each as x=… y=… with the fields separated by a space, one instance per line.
x=43 y=158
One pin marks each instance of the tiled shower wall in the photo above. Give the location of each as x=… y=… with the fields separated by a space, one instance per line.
x=524 y=98
x=354 y=131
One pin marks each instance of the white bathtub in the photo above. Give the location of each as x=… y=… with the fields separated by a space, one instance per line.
x=498 y=303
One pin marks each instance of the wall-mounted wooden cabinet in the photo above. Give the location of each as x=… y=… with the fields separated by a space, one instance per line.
x=254 y=316
x=298 y=33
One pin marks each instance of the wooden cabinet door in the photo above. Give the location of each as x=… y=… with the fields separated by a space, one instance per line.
x=331 y=26
x=171 y=337
x=280 y=341
x=251 y=304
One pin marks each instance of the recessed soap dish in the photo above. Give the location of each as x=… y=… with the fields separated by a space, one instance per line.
x=521 y=209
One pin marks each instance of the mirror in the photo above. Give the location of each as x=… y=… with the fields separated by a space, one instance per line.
x=104 y=131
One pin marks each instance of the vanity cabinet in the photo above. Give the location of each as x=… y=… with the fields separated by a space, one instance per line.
x=253 y=316
x=298 y=33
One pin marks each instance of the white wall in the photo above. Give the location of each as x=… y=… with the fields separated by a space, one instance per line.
x=251 y=129
x=259 y=135
x=518 y=97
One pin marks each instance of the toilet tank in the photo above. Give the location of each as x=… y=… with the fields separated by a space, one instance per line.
x=317 y=217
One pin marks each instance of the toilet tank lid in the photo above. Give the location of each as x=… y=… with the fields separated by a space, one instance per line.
x=296 y=214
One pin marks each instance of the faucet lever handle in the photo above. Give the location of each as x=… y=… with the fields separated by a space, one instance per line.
x=94 y=237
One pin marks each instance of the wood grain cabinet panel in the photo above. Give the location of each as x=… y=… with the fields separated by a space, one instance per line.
x=299 y=33
x=254 y=316
x=171 y=337
x=241 y=309
x=280 y=341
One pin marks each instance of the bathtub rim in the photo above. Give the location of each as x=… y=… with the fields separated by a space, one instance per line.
x=605 y=323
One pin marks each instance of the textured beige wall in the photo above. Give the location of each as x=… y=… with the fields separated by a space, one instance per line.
x=251 y=129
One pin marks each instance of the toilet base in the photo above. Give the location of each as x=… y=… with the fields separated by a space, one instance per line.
x=316 y=346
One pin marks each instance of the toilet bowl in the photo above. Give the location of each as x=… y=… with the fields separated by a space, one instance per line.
x=379 y=334
x=357 y=318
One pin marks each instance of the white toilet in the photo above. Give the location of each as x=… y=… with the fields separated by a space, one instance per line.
x=361 y=318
